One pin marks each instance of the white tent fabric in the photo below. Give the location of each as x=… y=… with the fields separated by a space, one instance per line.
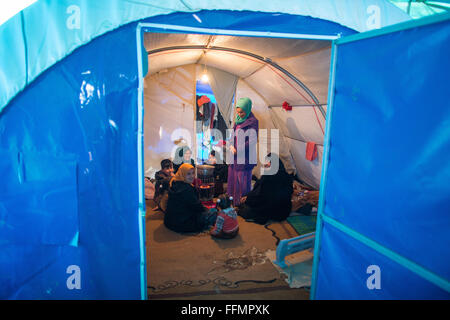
x=298 y=124
x=231 y=59
x=312 y=70
x=223 y=84
x=284 y=151
x=308 y=171
x=169 y=99
x=309 y=56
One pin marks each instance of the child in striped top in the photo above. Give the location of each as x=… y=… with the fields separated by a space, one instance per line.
x=226 y=225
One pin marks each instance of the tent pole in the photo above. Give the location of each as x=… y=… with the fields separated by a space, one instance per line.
x=263 y=59
x=323 y=178
x=299 y=105
x=392 y=255
x=194 y=110
x=256 y=91
x=140 y=157
x=170 y=90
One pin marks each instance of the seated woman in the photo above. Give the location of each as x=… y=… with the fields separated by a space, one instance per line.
x=185 y=213
x=270 y=198
x=182 y=155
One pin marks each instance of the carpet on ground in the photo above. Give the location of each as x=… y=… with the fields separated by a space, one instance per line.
x=303 y=224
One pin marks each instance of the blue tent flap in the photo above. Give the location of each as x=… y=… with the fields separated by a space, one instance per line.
x=69 y=152
x=70 y=139
x=346 y=272
x=389 y=165
x=31 y=209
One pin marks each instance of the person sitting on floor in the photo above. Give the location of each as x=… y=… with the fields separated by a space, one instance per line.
x=162 y=180
x=185 y=212
x=182 y=155
x=226 y=226
x=270 y=198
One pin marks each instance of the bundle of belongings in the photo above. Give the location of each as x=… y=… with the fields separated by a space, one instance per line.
x=149 y=188
x=304 y=199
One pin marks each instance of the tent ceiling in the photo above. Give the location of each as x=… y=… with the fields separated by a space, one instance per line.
x=271 y=71
x=307 y=60
x=277 y=49
x=240 y=65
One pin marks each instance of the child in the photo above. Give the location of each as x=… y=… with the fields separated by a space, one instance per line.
x=226 y=223
x=162 y=183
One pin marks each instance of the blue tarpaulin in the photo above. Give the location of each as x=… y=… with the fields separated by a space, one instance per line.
x=389 y=167
x=69 y=194
x=71 y=205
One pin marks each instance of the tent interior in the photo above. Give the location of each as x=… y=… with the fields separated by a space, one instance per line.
x=177 y=61
x=270 y=71
x=86 y=113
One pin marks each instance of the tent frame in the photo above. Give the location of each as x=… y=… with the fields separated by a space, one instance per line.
x=247 y=53
x=155 y=27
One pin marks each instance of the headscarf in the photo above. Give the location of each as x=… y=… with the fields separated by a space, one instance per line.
x=246 y=105
x=281 y=169
x=181 y=173
x=179 y=155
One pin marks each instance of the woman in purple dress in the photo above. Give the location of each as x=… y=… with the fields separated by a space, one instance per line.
x=243 y=147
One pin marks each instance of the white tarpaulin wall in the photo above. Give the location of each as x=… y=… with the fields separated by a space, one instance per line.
x=169 y=99
x=223 y=85
x=176 y=62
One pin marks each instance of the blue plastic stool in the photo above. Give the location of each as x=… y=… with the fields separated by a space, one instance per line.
x=293 y=245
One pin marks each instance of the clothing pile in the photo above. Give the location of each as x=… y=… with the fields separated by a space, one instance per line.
x=149 y=189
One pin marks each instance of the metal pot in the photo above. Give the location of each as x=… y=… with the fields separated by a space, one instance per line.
x=205 y=170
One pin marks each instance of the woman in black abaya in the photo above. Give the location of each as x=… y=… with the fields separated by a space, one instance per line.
x=270 y=198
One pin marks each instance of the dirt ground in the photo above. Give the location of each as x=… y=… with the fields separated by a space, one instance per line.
x=199 y=267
